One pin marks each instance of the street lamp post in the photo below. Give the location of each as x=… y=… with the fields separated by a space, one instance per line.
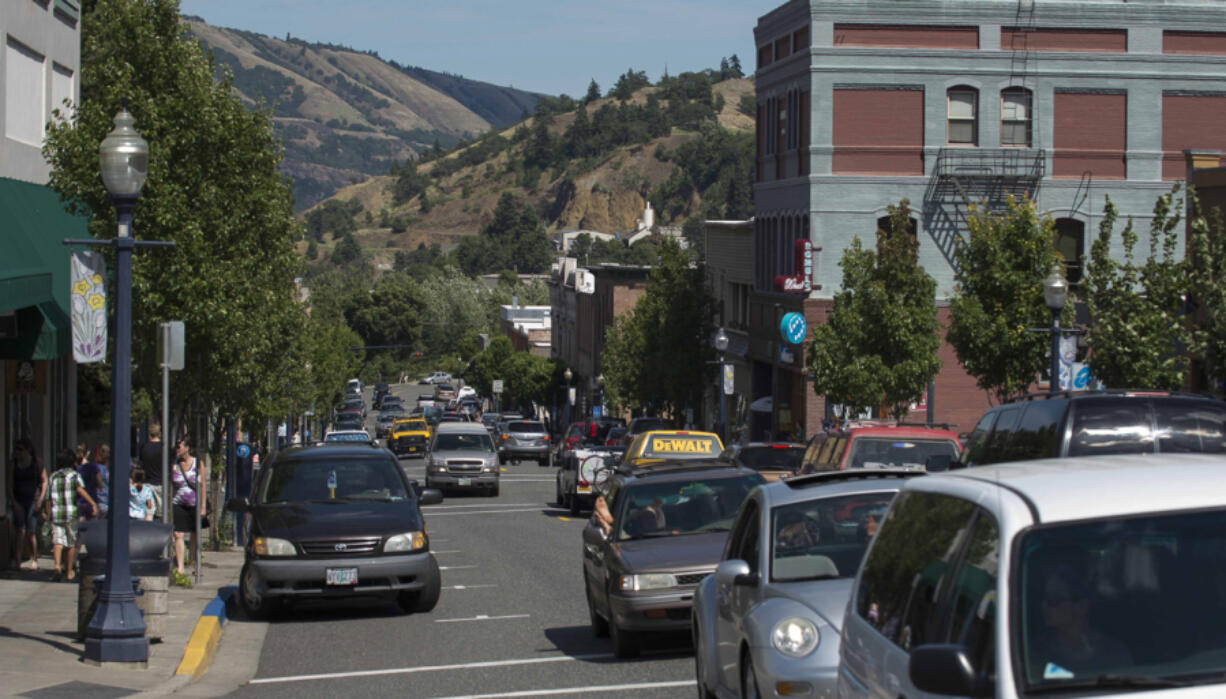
x=1055 y=293
x=721 y=344
x=116 y=633
x=568 y=375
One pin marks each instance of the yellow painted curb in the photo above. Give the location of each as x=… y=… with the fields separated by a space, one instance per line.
x=200 y=647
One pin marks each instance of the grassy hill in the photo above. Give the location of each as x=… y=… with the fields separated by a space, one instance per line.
x=345 y=115
x=685 y=144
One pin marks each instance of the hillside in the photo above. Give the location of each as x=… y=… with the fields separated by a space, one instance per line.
x=572 y=183
x=344 y=115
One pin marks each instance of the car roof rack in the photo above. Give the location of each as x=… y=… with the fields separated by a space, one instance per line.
x=1139 y=392
x=851 y=474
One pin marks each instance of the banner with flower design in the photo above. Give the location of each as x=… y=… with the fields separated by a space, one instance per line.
x=88 y=276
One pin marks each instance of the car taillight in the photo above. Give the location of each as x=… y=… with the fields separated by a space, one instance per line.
x=593 y=430
x=584 y=484
x=779 y=446
x=546 y=438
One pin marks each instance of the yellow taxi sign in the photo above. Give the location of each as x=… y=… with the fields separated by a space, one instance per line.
x=681 y=445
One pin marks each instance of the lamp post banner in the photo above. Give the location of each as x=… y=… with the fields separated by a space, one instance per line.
x=87 y=273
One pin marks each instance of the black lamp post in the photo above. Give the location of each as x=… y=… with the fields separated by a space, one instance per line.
x=568 y=375
x=721 y=344
x=1055 y=293
x=116 y=633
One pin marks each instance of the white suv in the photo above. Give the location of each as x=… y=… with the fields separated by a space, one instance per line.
x=1061 y=577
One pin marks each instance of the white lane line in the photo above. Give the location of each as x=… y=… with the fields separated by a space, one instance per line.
x=454 y=567
x=429 y=668
x=580 y=690
x=466 y=587
x=483 y=617
x=538 y=508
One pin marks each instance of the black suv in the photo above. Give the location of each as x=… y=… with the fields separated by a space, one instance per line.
x=1042 y=426
x=670 y=523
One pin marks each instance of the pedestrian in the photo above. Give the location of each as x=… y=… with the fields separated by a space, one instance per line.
x=88 y=471
x=141 y=503
x=26 y=486
x=65 y=487
x=186 y=478
x=96 y=476
x=151 y=456
x=103 y=481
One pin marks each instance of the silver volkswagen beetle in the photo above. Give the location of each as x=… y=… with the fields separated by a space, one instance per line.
x=767 y=622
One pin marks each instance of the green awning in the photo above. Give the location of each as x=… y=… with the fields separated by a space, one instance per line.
x=34 y=269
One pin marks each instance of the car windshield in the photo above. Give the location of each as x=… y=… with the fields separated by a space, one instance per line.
x=347 y=437
x=464 y=441
x=445 y=387
x=1137 y=597
x=897 y=452
x=772 y=458
x=674 y=507
x=533 y=427
x=824 y=538
x=405 y=425
x=348 y=478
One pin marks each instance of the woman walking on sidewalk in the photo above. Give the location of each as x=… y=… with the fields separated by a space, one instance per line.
x=26 y=488
x=186 y=477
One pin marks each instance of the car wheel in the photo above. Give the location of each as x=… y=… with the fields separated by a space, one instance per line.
x=502 y=460
x=557 y=493
x=700 y=671
x=542 y=462
x=256 y=606
x=494 y=492
x=749 y=680
x=600 y=627
x=423 y=600
x=625 y=643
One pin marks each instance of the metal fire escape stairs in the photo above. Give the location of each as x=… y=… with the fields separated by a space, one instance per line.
x=986 y=177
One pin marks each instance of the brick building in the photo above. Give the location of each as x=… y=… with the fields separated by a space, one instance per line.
x=862 y=103
x=527 y=327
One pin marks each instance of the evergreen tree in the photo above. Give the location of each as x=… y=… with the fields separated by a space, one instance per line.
x=593 y=92
x=347 y=251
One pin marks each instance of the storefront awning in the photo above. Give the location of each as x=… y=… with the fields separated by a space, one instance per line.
x=41 y=331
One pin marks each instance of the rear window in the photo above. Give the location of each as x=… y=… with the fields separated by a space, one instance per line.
x=307 y=480
x=1190 y=426
x=526 y=426
x=1111 y=426
x=897 y=452
x=347 y=437
x=646 y=424
x=772 y=458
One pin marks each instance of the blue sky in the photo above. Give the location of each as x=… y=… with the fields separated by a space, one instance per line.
x=550 y=46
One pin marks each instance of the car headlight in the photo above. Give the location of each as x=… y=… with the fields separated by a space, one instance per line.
x=795 y=637
x=405 y=543
x=489 y=469
x=648 y=581
x=274 y=547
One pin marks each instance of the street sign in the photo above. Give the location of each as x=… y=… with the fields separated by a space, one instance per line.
x=1082 y=380
x=571 y=395
x=729 y=379
x=497 y=387
x=793 y=328
x=170 y=345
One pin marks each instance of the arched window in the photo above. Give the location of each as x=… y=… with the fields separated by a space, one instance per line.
x=1015 y=114
x=1070 y=242
x=962 y=113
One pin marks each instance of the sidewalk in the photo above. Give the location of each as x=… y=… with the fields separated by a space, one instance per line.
x=38 y=627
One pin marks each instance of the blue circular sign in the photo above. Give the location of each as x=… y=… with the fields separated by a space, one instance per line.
x=793 y=327
x=243 y=451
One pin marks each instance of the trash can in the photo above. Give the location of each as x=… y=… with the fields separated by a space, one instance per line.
x=150 y=572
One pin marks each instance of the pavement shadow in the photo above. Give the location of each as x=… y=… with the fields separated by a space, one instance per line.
x=306 y=611
x=6 y=632
x=556 y=512
x=577 y=641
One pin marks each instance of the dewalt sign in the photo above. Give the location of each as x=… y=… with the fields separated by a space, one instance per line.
x=674 y=446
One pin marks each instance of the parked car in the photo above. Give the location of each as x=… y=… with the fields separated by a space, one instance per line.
x=1077 y=576
x=774 y=460
x=436 y=377
x=331 y=521
x=767 y=623
x=523 y=440
x=1097 y=422
x=462 y=455
x=670 y=523
x=581 y=474
x=882 y=446
x=409 y=437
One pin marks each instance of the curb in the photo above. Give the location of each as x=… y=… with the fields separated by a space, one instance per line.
x=202 y=645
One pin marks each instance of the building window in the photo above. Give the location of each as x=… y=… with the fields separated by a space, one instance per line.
x=1070 y=241
x=1015 y=117
x=25 y=100
x=883 y=224
x=765 y=54
x=962 y=110
x=62 y=89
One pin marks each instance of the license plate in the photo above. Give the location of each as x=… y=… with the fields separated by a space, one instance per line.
x=342 y=576
x=412 y=448
x=583 y=489
x=464 y=481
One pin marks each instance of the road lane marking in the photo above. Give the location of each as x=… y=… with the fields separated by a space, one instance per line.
x=483 y=617
x=580 y=690
x=538 y=508
x=454 y=567
x=466 y=587
x=429 y=668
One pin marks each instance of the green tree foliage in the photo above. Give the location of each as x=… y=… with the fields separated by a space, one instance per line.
x=408 y=183
x=514 y=239
x=593 y=92
x=1139 y=330
x=629 y=83
x=879 y=346
x=999 y=294
x=457 y=305
x=657 y=354
x=391 y=314
x=748 y=105
x=312 y=251
x=1207 y=250
x=213 y=188
x=347 y=251
x=718 y=167
x=527 y=378
x=335 y=217
x=421 y=262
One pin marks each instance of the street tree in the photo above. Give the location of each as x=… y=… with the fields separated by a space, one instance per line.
x=1207 y=254
x=1139 y=331
x=456 y=305
x=213 y=188
x=998 y=295
x=879 y=346
x=391 y=314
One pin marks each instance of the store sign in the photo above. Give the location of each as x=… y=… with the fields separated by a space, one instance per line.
x=802 y=281
x=792 y=327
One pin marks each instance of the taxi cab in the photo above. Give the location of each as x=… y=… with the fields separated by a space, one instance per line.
x=409 y=436
x=659 y=445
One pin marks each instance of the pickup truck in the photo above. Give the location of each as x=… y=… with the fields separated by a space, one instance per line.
x=580 y=471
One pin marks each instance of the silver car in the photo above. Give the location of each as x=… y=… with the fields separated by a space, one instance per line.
x=767 y=622
x=462 y=456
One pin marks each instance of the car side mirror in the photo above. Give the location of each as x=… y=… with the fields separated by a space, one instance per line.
x=939 y=462
x=239 y=505
x=946 y=668
x=429 y=496
x=735 y=572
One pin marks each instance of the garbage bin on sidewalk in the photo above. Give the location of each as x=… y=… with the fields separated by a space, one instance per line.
x=150 y=572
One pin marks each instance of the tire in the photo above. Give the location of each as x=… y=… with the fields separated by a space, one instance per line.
x=600 y=627
x=542 y=462
x=557 y=493
x=255 y=606
x=502 y=460
x=423 y=600
x=625 y=643
x=494 y=492
x=699 y=670
x=749 y=679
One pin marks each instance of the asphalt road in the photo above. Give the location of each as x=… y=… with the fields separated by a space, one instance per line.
x=511 y=620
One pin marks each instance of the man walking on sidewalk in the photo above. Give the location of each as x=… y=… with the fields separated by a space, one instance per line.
x=65 y=487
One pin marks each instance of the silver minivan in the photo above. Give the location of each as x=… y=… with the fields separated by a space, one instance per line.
x=462 y=456
x=1101 y=576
